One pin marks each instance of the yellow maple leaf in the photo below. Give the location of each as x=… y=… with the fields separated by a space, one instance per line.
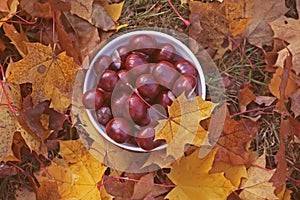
x=17 y=39
x=257 y=186
x=182 y=126
x=114 y=10
x=193 y=181
x=8 y=125
x=52 y=76
x=234 y=173
x=79 y=179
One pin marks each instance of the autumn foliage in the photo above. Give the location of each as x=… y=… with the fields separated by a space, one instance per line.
x=242 y=145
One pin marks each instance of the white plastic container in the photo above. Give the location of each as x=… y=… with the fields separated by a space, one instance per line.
x=123 y=40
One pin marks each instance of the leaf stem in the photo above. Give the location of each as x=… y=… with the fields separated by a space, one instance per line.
x=23 y=21
x=253 y=110
x=135 y=180
x=186 y=22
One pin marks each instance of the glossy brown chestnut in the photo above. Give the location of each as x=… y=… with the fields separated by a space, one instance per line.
x=119 y=57
x=165 y=52
x=137 y=108
x=165 y=74
x=186 y=67
x=143 y=43
x=108 y=79
x=93 y=99
x=135 y=60
x=118 y=129
x=185 y=83
x=102 y=63
x=147 y=86
x=145 y=139
x=103 y=115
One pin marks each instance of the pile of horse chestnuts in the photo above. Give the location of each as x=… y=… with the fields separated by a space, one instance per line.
x=136 y=84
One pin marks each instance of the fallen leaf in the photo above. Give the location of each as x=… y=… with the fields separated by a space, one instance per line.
x=36 y=8
x=192 y=179
x=143 y=187
x=182 y=126
x=266 y=100
x=10 y=9
x=245 y=96
x=257 y=186
x=217 y=20
x=276 y=81
x=19 y=146
x=101 y=19
x=52 y=76
x=67 y=38
x=234 y=173
x=235 y=140
x=114 y=10
x=3 y=6
x=280 y=27
x=258 y=31
x=17 y=39
x=48 y=188
x=82 y=8
x=85 y=36
x=32 y=118
x=24 y=193
x=8 y=125
x=79 y=179
x=295 y=106
x=279 y=177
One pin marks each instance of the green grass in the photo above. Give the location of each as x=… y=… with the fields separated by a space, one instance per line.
x=145 y=14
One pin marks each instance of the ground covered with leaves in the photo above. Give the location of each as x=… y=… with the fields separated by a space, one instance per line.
x=50 y=150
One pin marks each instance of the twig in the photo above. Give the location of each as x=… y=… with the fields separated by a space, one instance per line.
x=186 y=22
x=135 y=180
x=253 y=110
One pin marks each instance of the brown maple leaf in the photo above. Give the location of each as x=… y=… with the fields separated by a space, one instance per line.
x=234 y=141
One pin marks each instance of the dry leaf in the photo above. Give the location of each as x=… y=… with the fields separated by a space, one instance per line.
x=101 y=19
x=257 y=186
x=79 y=179
x=52 y=76
x=192 y=179
x=8 y=125
x=9 y=8
x=235 y=140
x=48 y=188
x=114 y=10
x=258 y=31
x=17 y=39
x=23 y=193
x=37 y=9
x=266 y=100
x=82 y=8
x=4 y=6
x=280 y=27
x=234 y=173
x=295 y=106
x=182 y=125
x=245 y=96
x=86 y=36
x=67 y=38
x=276 y=81
x=217 y=20
x=143 y=187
